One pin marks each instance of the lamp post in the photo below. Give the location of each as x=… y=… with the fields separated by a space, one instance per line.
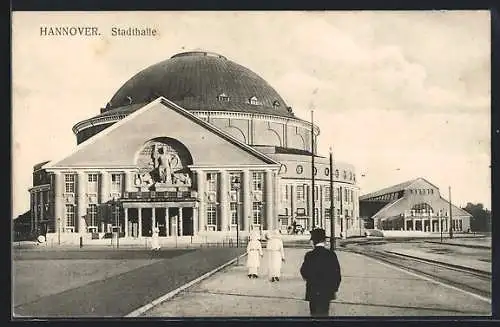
x=450 y=226
x=441 y=225
x=59 y=230
x=332 y=205
x=235 y=184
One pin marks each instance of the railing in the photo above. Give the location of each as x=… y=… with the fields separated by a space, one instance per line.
x=157 y=195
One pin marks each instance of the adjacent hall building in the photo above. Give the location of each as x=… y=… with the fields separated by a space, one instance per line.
x=414 y=205
x=194 y=144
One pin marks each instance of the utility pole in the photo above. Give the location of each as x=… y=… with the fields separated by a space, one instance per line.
x=312 y=172
x=332 y=205
x=450 y=227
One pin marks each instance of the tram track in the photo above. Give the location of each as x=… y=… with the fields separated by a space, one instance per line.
x=468 y=279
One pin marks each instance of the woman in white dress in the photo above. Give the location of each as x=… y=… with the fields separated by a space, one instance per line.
x=254 y=251
x=276 y=255
x=155 y=242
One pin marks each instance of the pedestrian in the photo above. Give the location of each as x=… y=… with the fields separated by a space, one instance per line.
x=155 y=242
x=276 y=255
x=254 y=251
x=321 y=271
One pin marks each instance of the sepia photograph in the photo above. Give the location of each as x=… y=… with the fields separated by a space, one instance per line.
x=172 y=164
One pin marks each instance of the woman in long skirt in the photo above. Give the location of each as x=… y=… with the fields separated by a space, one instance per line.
x=276 y=255
x=254 y=251
x=155 y=242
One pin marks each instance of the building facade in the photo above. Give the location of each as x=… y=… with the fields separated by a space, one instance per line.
x=415 y=205
x=194 y=144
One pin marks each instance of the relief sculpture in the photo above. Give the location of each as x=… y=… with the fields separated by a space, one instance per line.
x=160 y=167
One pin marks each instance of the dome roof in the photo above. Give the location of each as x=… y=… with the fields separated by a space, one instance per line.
x=200 y=81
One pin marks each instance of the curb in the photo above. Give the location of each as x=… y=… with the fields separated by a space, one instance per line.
x=473 y=246
x=169 y=295
x=470 y=269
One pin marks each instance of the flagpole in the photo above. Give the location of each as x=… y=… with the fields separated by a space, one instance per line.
x=312 y=173
x=332 y=205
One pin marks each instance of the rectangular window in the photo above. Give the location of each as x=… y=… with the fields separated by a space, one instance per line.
x=338 y=212
x=70 y=215
x=327 y=193
x=337 y=194
x=300 y=192
x=284 y=221
x=327 y=213
x=257 y=181
x=92 y=183
x=116 y=183
x=212 y=182
x=211 y=215
x=316 y=193
x=69 y=181
x=346 y=213
x=316 y=217
x=352 y=196
x=284 y=193
x=235 y=181
x=233 y=207
x=257 y=213
x=92 y=215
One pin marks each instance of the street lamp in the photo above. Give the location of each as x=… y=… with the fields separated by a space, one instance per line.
x=332 y=205
x=450 y=226
x=235 y=185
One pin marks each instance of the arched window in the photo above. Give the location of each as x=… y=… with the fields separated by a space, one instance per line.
x=422 y=208
x=345 y=174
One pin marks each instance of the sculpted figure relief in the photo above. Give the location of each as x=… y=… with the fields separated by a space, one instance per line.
x=159 y=167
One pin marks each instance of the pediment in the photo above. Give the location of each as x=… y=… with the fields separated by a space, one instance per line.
x=119 y=144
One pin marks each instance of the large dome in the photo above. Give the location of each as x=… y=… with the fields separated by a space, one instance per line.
x=200 y=81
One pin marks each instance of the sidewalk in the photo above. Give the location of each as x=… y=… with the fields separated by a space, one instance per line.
x=368 y=288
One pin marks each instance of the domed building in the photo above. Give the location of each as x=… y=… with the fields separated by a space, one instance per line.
x=193 y=145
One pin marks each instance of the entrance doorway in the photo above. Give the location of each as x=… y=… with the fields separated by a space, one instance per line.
x=187 y=221
x=147 y=221
x=161 y=221
x=133 y=222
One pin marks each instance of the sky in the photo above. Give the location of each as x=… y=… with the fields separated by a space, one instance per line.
x=399 y=95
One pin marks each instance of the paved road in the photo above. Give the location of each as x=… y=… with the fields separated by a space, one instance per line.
x=120 y=294
x=369 y=288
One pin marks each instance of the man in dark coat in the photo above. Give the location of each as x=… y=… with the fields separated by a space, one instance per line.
x=321 y=270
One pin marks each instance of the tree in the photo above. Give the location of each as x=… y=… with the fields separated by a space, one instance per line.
x=481 y=218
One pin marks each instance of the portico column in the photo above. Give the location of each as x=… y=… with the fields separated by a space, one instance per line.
x=269 y=200
x=414 y=222
x=139 y=213
x=81 y=201
x=439 y=223
x=247 y=203
x=195 y=221
x=104 y=186
x=292 y=204
x=167 y=222
x=179 y=222
x=200 y=183
x=153 y=218
x=224 y=203
x=125 y=214
x=277 y=189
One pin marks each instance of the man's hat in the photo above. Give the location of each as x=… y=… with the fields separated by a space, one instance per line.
x=318 y=235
